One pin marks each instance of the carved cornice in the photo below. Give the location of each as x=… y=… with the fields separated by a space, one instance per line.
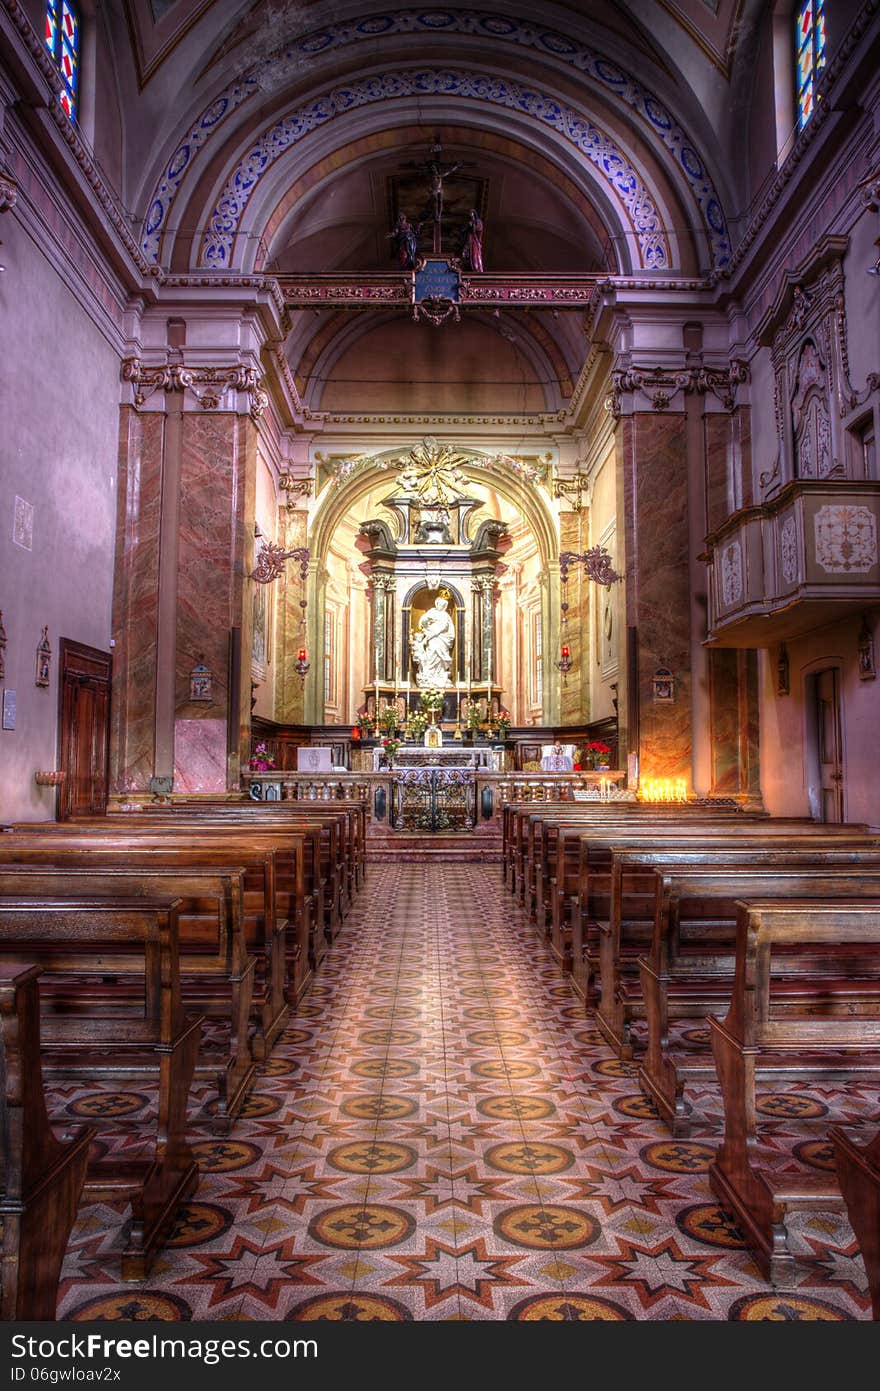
x=207 y=384
x=416 y=421
x=661 y=385
x=208 y=280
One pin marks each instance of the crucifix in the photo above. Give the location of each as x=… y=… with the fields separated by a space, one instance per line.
x=437 y=173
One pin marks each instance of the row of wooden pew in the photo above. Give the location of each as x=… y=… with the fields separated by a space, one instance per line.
x=768 y=930
x=121 y=938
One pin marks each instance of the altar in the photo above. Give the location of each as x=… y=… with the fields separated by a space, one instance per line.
x=448 y=756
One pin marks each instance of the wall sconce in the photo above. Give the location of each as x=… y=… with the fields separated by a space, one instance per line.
x=596 y=561
x=270 y=561
x=270 y=564
x=301 y=665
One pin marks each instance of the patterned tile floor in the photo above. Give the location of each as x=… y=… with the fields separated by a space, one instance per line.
x=441 y=1135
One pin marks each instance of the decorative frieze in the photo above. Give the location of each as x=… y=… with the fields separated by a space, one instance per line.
x=207 y=384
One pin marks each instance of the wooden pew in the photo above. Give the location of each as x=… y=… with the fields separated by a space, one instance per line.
x=321 y=904
x=557 y=851
x=626 y=934
x=858 y=1172
x=265 y=906
x=86 y=1034
x=41 y=1177
x=217 y=972
x=347 y=853
x=688 y=973
x=806 y=997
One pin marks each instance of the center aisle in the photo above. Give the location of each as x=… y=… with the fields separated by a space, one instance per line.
x=442 y=1135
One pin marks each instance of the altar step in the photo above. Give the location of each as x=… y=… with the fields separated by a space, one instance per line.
x=415 y=847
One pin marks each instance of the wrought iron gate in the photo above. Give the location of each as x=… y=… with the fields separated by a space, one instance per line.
x=434 y=799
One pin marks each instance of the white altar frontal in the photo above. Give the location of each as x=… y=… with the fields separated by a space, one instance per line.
x=449 y=756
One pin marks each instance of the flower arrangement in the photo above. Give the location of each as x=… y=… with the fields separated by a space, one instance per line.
x=473 y=713
x=389 y=718
x=389 y=748
x=431 y=701
x=595 y=753
x=502 y=726
x=416 y=724
x=261 y=761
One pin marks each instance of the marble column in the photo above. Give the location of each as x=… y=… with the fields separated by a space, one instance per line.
x=382 y=591
x=136 y=599
x=187 y=480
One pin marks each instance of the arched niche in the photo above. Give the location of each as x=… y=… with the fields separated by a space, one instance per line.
x=416 y=601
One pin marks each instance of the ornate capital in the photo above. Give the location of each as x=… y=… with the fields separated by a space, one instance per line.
x=207 y=384
x=661 y=385
x=8 y=193
x=572 y=489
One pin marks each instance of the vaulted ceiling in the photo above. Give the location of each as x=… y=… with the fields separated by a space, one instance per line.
x=286 y=137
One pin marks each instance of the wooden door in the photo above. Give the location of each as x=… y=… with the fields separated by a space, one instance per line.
x=828 y=728
x=84 y=729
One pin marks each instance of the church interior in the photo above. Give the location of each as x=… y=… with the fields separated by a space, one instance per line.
x=439 y=626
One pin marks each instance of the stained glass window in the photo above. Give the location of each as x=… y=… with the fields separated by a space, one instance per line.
x=62 y=41
x=809 y=56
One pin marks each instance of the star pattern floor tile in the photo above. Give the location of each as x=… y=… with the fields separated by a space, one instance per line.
x=441 y=1134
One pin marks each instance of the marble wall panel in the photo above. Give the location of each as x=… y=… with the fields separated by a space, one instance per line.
x=136 y=599
x=741 y=437
x=655 y=486
x=725 y=724
x=718 y=451
x=241 y=593
x=200 y=755
x=574 y=702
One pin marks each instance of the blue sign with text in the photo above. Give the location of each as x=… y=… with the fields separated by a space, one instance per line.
x=436 y=280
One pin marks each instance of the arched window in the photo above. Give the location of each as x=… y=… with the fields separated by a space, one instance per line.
x=809 y=55
x=63 y=42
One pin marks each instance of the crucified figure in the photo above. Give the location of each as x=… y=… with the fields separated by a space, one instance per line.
x=437 y=177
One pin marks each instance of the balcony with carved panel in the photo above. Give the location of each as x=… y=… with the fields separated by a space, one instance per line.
x=783 y=567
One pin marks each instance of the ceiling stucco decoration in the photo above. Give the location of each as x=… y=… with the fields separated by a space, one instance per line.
x=607 y=76
x=628 y=191
x=524 y=483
